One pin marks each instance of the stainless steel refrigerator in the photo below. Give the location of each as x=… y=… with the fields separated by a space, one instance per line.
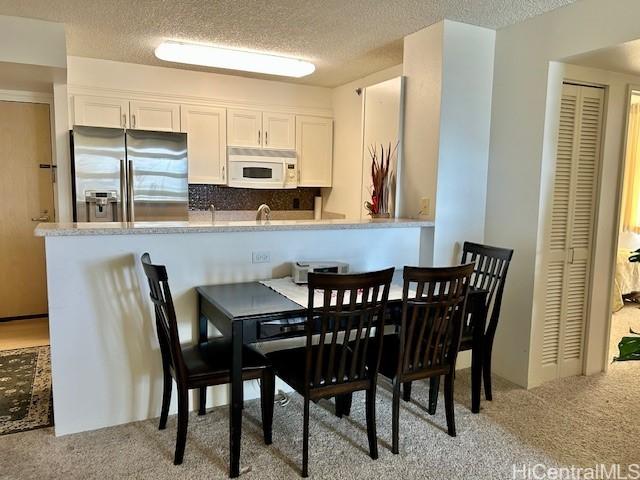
x=128 y=175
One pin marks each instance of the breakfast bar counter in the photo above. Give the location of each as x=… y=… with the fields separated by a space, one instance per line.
x=106 y=363
x=146 y=228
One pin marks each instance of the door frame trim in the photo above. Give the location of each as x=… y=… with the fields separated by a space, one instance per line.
x=631 y=88
x=27 y=96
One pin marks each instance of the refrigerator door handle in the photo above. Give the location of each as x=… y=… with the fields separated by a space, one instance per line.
x=123 y=192
x=132 y=215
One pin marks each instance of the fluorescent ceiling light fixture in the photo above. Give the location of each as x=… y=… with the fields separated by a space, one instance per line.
x=217 y=57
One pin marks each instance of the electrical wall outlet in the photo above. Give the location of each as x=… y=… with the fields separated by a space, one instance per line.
x=261 y=257
x=424 y=206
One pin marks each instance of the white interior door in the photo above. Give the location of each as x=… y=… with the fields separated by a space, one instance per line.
x=206 y=129
x=569 y=243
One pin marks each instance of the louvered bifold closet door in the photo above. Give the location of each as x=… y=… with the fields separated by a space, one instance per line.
x=568 y=251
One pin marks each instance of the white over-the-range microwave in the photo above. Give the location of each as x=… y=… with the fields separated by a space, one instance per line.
x=260 y=168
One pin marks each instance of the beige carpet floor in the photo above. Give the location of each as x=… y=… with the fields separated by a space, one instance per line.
x=578 y=421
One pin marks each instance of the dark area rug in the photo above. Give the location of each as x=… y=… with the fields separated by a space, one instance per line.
x=25 y=389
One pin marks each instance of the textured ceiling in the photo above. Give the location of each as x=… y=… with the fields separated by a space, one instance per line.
x=623 y=58
x=346 y=39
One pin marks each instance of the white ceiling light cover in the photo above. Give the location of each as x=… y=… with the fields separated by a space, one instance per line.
x=210 y=56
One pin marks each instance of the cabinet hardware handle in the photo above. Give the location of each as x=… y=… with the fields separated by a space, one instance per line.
x=258 y=137
x=266 y=138
x=223 y=172
x=124 y=120
x=133 y=120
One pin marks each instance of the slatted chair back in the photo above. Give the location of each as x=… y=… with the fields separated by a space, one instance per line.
x=434 y=303
x=489 y=273
x=166 y=323
x=352 y=308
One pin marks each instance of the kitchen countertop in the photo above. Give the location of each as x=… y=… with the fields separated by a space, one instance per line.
x=152 y=228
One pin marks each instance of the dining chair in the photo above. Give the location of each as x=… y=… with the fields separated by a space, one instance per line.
x=198 y=366
x=341 y=330
x=427 y=341
x=489 y=274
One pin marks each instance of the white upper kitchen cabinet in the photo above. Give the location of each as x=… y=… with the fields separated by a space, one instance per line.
x=159 y=116
x=279 y=131
x=206 y=129
x=314 y=148
x=244 y=128
x=101 y=111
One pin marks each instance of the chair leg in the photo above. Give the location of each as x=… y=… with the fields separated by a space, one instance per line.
x=395 y=418
x=343 y=404
x=486 y=373
x=183 y=420
x=371 y=422
x=448 y=404
x=267 y=394
x=406 y=391
x=434 y=387
x=166 y=400
x=202 y=401
x=305 y=440
x=339 y=399
x=346 y=405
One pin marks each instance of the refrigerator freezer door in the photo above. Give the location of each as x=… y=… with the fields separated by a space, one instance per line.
x=98 y=158
x=158 y=188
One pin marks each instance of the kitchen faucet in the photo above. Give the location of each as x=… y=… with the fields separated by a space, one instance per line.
x=264 y=212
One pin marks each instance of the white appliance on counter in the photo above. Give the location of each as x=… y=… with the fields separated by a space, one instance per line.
x=301 y=270
x=261 y=168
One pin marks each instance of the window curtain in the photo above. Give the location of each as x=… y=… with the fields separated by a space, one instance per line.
x=631 y=218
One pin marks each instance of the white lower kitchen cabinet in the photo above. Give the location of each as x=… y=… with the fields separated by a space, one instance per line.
x=314 y=148
x=206 y=129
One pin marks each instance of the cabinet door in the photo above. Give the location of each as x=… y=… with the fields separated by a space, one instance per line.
x=100 y=111
x=279 y=131
x=164 y=117
x=314 y=148
x=206 y=129
x=244 y=128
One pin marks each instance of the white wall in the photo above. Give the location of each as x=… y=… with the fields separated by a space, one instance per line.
x=32 y=42
x=381 y=126
x=463 y=157
x=449 y=79
x=525 y=95
x=423 y=68
x=344 y=196
x=175 y=85
x=106 y=365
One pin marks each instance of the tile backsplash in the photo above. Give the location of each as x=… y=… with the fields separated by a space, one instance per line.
x=228 y=198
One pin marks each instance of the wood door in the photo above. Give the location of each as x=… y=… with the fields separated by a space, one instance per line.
x=26 y=193
x=100 y=111
x=569 y=242
x=314 y=148
x=244 y=128
x=279 y=130
x=159 y=116
x=206 y=129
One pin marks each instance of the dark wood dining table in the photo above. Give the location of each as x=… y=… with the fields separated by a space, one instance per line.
x=252 y=312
